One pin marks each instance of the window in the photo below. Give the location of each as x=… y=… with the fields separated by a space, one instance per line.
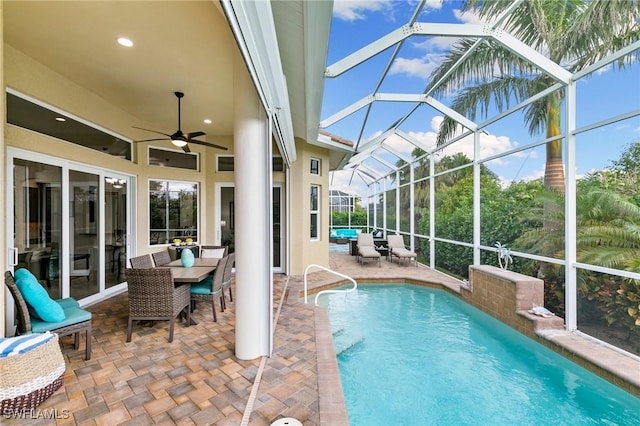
x=172 y=158
x=314 y=225
x=25 y=112
x=315 y=167
x=226 y=164
x=173 y=211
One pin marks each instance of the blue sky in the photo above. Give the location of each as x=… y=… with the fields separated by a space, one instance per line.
x=606 y=93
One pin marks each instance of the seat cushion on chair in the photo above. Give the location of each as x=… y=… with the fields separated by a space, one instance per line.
x=73 y=315
x=67 y=302
x=212 y=253
x=203 y=287
x=37 y=297
x=368 y=252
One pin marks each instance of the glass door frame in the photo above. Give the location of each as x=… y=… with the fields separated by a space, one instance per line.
x=66 y=166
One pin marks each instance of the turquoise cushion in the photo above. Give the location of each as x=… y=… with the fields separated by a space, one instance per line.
x=73 y=315
x=37 y=298
x=203 y=287
x=67 y=302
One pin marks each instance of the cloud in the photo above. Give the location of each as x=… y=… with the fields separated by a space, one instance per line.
x=353 y=10
x=417 y=67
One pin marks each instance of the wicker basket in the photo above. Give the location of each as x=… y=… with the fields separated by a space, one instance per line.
x=27 y=379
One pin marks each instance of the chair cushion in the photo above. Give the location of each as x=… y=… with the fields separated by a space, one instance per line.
x=212 y=253
x=368 y=252
x=203 y=287
x=73 y=315
x=37 y=298
x=402 y=252
x=67 y=302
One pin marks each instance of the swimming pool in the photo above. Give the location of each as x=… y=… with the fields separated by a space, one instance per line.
x=410 y=355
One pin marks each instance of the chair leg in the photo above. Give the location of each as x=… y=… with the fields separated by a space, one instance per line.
x=129 y=325
x=76 y=340
x=213 y=308
x=223 y=302
x=188 y=310
x=87 y=352
x=171 y=321
x=230 y=295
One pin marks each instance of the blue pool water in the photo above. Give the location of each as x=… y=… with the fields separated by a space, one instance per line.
x=410 y=355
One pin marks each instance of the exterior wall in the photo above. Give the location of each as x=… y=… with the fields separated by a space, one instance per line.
x=303 y=250
x=33 y=79
x=3 y=174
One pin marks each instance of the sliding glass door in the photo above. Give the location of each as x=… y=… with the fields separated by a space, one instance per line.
x=68 y=224
x=37 y=221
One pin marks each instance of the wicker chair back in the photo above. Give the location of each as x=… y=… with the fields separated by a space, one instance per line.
x=141 y=262
x=153 y=296
x=161 y=257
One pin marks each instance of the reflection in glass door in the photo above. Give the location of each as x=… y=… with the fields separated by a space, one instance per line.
x=37 y=221
x=115 y=226
x=83 y=234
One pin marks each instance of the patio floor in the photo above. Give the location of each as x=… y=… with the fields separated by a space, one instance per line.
x=197 y=380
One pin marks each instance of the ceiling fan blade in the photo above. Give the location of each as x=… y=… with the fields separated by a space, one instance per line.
x=154 y=131
x=149 y=140
x=195 y=134
x=186 y=148
x=212 y=145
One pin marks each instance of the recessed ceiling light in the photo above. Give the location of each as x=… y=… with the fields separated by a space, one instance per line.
x=123 y=41
x=60 y=119
x=207 y=121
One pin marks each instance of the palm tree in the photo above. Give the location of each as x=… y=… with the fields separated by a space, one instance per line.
x=573 y=33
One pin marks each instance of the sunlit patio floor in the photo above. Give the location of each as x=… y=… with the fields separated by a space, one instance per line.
x=197 y=380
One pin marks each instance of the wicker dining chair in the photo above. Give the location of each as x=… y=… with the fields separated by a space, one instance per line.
x=76 y=321
x=226 y=279
x=209 y=289
x=161 y=258
x=141 y=262
x=153 y=296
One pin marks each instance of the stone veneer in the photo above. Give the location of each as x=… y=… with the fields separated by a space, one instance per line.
x=508 y=296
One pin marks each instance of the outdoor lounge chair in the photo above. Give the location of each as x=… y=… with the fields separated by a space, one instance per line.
x=209 y=289
x=398 y=249
x=366 y=248
x=153 y=296
x=74 y=320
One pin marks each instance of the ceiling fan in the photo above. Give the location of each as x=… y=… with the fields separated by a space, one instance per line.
x=179 y=139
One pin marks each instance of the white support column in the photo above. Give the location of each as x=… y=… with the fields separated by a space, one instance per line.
x=252 y=212
x=476 y=198
x=570 y=272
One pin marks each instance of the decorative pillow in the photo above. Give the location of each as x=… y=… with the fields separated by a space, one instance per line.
x=22 y=344
x=212 y=253
x=37 y=298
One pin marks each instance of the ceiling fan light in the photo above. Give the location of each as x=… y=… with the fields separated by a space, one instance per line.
x=178 y=142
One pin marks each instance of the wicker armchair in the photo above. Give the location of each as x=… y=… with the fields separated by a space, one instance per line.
x=209 y=289
x=226 y=279
x=161 y=257
x=153 y=296
x=141 y=262
x=76 y=320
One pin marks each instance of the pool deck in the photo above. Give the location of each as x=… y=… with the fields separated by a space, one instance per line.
x=197 y=380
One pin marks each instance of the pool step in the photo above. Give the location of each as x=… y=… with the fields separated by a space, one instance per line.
x=347 y=345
